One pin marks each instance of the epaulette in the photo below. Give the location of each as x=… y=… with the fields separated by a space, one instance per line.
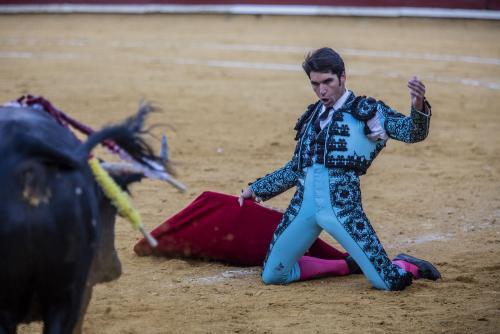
x=364 y=108
x=306 y=116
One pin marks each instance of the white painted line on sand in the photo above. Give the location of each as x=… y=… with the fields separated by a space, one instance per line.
x=224 y=276
x=16 y=54
x=239 y=64
x=301 y=50
x=42 y=55
x=494 y=85
x=355 y=52
x=296 y=68
x=420 y=56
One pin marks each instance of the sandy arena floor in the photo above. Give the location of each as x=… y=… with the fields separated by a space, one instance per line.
x=231 y=89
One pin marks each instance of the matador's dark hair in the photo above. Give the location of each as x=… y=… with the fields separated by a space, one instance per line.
x=323 y=60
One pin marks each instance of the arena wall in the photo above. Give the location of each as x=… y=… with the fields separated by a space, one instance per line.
x=470 y=9
x=457 y=4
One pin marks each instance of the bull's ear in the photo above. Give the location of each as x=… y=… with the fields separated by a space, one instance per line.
x=124 y=180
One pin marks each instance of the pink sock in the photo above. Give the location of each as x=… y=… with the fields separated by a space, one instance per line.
x=409 y=267
x=311 y=267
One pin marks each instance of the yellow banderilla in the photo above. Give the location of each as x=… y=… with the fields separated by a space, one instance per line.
x=119 y=199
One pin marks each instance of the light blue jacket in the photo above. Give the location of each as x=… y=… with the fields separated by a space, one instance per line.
x=343 y=143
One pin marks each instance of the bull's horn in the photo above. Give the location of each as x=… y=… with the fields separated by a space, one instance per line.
x=120 y=168
x=164 y=149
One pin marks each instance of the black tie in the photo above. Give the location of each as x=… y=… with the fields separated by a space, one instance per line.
x=322 y=117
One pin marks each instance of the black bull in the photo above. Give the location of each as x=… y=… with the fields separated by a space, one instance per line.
x=55 y=223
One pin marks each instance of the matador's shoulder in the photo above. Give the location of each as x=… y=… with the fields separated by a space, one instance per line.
x=304 y=119
x=364 y=108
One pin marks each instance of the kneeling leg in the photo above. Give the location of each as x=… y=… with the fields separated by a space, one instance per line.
x=357 y=236
x=281 y=265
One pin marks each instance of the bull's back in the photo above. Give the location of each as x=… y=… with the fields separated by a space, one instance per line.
x=25 y=126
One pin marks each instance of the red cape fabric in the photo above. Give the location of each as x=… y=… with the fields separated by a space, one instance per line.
x=215 y=227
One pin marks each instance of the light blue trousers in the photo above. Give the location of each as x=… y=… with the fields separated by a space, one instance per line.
x=317 y=213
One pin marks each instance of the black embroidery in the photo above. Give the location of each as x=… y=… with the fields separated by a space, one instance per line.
x=382 y=103
x=364 y=108
x=337 y=116
x=291 y=212
x=407 y=129
x=345 y=196
x=304 y=119
x=378 y=148
x=357 y=163
x=345 y=191
x=338 y=130
x=275 y=183
x=337 y=145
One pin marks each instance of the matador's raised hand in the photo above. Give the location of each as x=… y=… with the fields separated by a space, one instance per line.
x=417 y=93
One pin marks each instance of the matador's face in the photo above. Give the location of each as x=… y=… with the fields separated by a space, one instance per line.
x=327 y=86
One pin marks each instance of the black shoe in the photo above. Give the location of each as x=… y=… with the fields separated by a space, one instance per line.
x=425 y=269
x=353 y=266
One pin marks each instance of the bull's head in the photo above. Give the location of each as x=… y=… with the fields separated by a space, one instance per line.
x=107 y=266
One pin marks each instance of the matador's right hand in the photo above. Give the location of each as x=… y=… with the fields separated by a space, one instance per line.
x=246 y=194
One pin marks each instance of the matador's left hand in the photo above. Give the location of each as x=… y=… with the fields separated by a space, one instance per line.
x=417 y=93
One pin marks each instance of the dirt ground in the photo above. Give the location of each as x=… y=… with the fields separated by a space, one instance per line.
x=231 y=89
